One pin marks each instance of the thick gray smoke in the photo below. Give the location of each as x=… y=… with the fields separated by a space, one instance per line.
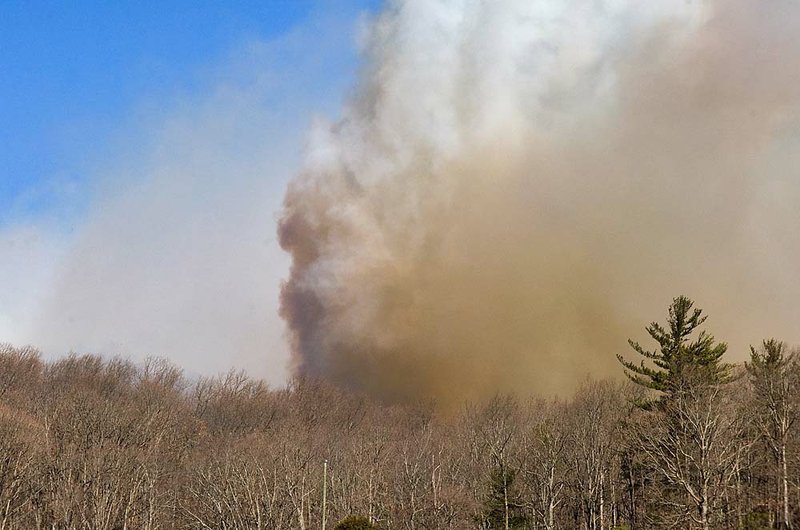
x=516 y=187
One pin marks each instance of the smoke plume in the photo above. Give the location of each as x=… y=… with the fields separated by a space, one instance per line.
x=516 y=187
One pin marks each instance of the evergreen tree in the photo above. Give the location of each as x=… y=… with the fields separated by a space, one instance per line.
x=502 y=511
x=678 y=358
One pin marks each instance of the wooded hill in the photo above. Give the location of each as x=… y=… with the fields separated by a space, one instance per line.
x=688 y=442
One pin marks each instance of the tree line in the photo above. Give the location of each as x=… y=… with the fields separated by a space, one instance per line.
x=688 y=441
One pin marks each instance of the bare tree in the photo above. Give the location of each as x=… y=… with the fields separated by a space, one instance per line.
x=693 y=442
x=495 y=430
x=235 y=491
x=543 y=462
x=774 y=376
x=596 y=414
x=104 y=444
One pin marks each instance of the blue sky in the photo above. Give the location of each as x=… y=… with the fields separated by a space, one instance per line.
x=74 y=74
x=144 y=154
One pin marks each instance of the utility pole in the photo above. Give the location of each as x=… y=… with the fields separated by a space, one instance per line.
x=324 y=492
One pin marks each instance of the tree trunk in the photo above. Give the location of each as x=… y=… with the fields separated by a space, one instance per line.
x=704 y=513
x=505 y=499
x=602 y=502
x=786 y=523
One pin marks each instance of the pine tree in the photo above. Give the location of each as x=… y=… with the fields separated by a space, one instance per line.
x=678 y=358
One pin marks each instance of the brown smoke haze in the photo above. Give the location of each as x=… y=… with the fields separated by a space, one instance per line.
x=516 y=187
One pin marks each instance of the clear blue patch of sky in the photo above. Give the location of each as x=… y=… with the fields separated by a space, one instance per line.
x=70 y=72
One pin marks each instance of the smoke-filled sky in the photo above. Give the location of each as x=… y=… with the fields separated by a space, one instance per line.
x=493 y=195
x=516 y=187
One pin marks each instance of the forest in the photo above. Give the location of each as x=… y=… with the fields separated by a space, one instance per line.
x=687 y=441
